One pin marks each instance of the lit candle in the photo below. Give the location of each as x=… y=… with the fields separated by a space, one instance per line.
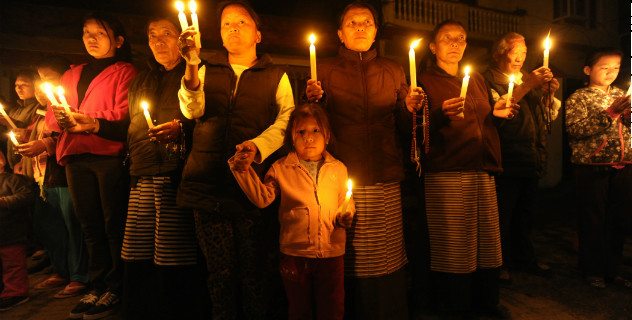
x=343 y=210
x=145 y=106
x=196 y=25
x=629 y=90
x=510 y=92
x=6 y=116
x=312 y=56
x=183 y=19
x=547 y=47
x=413 y=66
x=48 y=90
x=466 y=81
x=13 y=139
x=62 y=99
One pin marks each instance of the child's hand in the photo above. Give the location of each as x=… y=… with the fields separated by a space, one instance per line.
x=245 y=155
x=314 y=90
x=620 y=104
x=345 y=219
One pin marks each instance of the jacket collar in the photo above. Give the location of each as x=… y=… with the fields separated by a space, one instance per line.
x=501 y=78
x=292 y=158
x=357 y=56
x=263 y=60
x=27 y=102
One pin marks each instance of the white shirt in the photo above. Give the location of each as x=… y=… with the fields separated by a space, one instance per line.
x=192 y=105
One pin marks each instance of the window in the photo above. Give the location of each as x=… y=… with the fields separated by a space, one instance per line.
x=578 y=12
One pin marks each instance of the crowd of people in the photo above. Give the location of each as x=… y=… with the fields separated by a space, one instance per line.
x=165 y=211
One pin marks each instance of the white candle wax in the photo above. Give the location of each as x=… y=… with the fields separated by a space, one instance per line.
x=6 y=116
x=62 y=99
x=48 y=90
x=413 y=66
x=312 y=57
x=13 y=139
x=629 y=90
x=345 y=204
x=196 y=25
x=547 y=48
x=466 y=81
x=145 y=107
x=510 y=91
x=183 y=19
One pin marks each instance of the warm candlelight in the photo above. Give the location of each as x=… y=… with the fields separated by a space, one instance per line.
x=145 y=106
x=196 y=25
x=413 y=66
x=312 y=56
x=62 y=99
x=629 y=90
x=510 y=92
x=343 y=210
x=6 y=116
x=547 y=47
x=466 y=81
x=48 y=90
x=13 y=139
x=183 y=19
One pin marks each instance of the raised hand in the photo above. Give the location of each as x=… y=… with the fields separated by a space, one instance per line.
x=314 y=90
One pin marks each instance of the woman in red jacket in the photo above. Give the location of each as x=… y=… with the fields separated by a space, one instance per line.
x=94 y=164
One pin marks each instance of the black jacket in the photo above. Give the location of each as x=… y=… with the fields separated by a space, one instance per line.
x=227 y=121
x=17 y=191
x=523 y=138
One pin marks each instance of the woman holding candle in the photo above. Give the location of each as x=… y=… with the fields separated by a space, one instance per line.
x=523 y=148
x=464 y=155
x=313 y=214
x=598 y=125
x=365 y=97
x=96 y=176
x=239 y=100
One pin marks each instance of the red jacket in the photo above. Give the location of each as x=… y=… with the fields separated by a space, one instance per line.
x=105 y=98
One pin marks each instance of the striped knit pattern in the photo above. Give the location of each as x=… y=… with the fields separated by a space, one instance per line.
x=375 y=243
x=156 y=228
x=462 y=216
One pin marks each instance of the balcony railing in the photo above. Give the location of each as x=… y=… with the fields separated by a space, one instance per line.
x=425 y=14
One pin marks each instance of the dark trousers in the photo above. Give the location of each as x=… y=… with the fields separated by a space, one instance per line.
x=99 y=189
x=230 y=239
x=377 y=298
x=517 y=205
x=314 y=286
x=461 y=294
x=604 y=201
x=14 y=277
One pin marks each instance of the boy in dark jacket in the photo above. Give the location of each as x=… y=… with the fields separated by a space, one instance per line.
x=16 y=195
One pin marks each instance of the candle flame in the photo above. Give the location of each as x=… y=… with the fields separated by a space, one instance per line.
x=512 y=78
x=144 y=105
x=12 y=134
x=1 y=107
x=180 y=6
x=48 y=88
x=467 y=71
x=349 y=185
x=312 y=38
x=60 y=91
x=547 y=41
x=192 y=6
x=414 y=44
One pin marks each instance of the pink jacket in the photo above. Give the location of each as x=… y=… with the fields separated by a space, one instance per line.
x=308 y=211
x=105 y=98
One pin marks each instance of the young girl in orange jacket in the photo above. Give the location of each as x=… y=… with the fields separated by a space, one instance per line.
x=312 y=185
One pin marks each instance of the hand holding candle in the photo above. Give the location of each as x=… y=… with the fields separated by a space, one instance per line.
x=413 y=66
x=184 y=24
x=510 y=91
x=6 y=117
x=312 y=56
x=145 y=107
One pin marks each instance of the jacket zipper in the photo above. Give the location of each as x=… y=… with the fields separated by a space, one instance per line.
x=366 y=111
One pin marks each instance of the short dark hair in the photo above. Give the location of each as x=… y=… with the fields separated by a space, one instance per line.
x=358 y=4
x=599 y=53
x=58 y=64
x=153 y=19
x=242 y=3
x=124 y=53
x=28 y=73
x=429 y=60
x=304 y=111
